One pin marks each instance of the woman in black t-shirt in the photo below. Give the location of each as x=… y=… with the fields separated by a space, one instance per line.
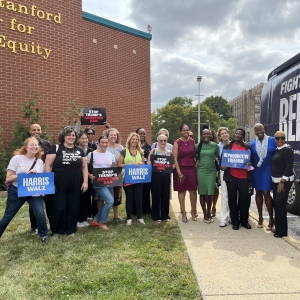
x=69 y=164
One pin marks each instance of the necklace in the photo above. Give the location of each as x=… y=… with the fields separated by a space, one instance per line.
x=72 y=152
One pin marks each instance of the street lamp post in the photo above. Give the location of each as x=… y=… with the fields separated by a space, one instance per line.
x=199 y=78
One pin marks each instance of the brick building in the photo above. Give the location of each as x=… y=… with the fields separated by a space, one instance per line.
x=246 y=109
x=62 y=53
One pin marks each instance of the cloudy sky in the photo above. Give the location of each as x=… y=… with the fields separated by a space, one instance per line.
x=232 y=44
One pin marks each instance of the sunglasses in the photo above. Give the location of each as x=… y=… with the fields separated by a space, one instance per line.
x=162 y=141
x=279 y=137
x=90 y=133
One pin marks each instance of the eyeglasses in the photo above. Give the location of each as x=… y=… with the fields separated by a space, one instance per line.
x=279 y=137
x=90 y=133
x=162 y=141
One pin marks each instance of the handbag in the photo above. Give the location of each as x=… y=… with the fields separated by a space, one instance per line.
x=8 y=183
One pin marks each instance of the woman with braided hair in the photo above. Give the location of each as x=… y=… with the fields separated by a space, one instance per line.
x=206 y=151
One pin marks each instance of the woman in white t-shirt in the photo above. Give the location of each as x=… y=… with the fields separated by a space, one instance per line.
x=27 y=159
x=102 y=159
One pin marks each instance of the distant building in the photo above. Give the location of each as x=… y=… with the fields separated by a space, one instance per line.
x=246 y=109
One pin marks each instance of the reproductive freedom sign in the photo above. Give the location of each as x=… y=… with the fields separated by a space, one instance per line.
x=235 y=159
x=107 y=177
x=135 y=174
x=31 y=184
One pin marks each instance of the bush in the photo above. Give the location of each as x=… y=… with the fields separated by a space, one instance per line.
x=3 y=164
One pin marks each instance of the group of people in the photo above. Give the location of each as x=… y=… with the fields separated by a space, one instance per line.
x=197 y=167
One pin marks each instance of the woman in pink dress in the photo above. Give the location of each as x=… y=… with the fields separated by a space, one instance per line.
x=184 y=177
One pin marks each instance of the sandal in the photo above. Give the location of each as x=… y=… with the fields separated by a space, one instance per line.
x=260 y=223
x=184 y=218
x=194 y=216
x=207 y=221
x=158 y=221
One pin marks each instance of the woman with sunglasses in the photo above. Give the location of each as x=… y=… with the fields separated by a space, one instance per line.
x=102 y=159
x=160 y=184
x=282 y=179
x=263 y=147
x=90 y=132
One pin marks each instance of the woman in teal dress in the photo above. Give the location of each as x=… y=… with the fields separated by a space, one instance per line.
x=206 y=152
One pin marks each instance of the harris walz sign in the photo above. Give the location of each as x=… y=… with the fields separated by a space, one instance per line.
x=93 y=116
x=162 y=163
x=107 y=177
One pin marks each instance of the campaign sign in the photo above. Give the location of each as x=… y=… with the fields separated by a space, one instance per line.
x=162 y=163
x=31 y=184
x=93 y=116
x=135 y=174
x=236 y=158
x=107 y=177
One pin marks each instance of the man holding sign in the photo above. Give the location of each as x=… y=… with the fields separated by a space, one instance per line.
x=236 y=165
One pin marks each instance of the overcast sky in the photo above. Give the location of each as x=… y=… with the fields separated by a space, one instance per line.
x=232 y=44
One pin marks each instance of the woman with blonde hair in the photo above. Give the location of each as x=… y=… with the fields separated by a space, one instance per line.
x=25 y=160
x=133 y=155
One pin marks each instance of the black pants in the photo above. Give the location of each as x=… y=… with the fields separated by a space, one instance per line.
x=146 y=207
x=134 y=193
x=160 y=190
x=33 y=222
x=280 y=200
x=64 y=204
x=242 y=203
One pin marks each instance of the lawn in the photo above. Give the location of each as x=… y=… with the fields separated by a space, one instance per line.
x=137 y=262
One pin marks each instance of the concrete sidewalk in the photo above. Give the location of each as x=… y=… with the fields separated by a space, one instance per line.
x=243 y=264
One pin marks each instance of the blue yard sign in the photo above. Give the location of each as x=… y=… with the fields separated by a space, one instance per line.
x=235 y=158
x=35 y=184
x=135 y=174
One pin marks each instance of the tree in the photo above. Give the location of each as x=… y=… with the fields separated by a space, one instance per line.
x=172 y=116
x=3 y=163
x=32 y=115
x=220 y=106
x=71 y=113
x=183 y=101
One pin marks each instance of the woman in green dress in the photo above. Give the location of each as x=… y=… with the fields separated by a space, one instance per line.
x=206 y=151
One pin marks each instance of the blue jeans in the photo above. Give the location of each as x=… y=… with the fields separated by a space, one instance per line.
x=13 y=205
x=106 y=194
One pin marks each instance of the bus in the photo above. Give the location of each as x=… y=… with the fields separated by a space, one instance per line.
x=280 y=110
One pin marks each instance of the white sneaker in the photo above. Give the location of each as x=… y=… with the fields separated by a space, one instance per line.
x=54 y=236
x=86 y=224
x=80 y=225
x=72 y=235
x=129 y=222
x=90 y=219
x=142 y=221
x=222 y=224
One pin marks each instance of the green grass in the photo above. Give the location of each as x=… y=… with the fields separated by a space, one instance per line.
x=137 y=262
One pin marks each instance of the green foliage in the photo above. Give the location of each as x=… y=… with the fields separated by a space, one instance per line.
x=220 y=106
x=32 y=115
x=172 y=116
x=183 y=101
x=71 y=113
x=3 y=163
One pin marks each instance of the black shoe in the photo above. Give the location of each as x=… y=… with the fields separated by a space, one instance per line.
x=235 y=227
x=247 y=226
x=278 y=235
x=274 y=230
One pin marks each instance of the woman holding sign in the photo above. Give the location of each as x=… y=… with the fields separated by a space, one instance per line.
x=160 y=183
x=25 y=160
x=238 y=182
x=102 y=159
x=133 y=155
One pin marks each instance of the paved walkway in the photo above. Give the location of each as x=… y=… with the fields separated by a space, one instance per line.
x=243 y=264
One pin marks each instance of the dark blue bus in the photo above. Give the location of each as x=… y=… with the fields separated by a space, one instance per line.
x=280 y=110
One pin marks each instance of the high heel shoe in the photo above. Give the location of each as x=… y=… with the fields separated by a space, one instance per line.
x=194 y=216
x=260 y=223
x=196 y=213
x=184 y=218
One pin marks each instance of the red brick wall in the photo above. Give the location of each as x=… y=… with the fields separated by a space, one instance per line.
x=117 y=79
x=57 y=80
x=95 y=73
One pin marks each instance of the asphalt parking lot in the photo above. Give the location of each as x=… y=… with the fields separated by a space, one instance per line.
x=293 y=220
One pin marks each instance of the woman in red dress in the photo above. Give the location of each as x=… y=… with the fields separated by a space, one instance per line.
x=184 y=177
